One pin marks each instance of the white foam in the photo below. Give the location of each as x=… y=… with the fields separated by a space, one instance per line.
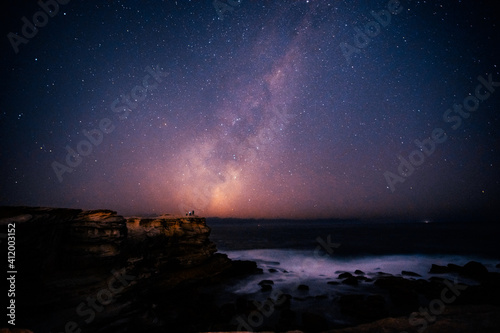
x=296 y=266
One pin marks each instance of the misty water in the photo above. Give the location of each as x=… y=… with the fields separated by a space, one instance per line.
x=314 y=253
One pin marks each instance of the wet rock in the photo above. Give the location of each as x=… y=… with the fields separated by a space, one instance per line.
x=352 y=281
x=266 y=287
x=358 y=272
x=239 y=268
x=407 y=273
x=263 y=282
x=363 y=278
x=474 y=270
x=303 y=287
x=272 y=270
x=344 y=275
x=402 y=292
x=333 y=283
x=437 y=269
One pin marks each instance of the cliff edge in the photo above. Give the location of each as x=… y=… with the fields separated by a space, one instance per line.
x=98 y=271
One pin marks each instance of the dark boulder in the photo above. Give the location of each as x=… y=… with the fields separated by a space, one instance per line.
x=437 y=269
x=363 y=278
x=352 y=281
x=474 y=270
x=344 y=275
x=407 y=273
x=263 y=282
x=266 y=287
x=402 y=292
x=241 y=268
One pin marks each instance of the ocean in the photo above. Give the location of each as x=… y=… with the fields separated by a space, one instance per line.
x=313 y=253
x=359 y=237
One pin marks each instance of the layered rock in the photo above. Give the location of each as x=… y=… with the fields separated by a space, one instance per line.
x=183 y=240
x=100 y=271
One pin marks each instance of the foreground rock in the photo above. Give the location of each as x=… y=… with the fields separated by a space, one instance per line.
x=466 y=318
x=98 y=271
x=472 y=269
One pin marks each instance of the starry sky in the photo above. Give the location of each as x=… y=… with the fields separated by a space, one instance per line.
x=289 y=109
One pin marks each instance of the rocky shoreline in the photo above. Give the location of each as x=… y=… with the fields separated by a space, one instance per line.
x=96 y=271
x=101 y=272
x=381 y=302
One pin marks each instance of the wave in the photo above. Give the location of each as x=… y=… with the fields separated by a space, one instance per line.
x=288 y=268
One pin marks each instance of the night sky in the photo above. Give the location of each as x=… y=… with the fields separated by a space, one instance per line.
x=292 y=109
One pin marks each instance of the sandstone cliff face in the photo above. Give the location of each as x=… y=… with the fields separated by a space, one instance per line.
x=96 y=268
x=170 y=240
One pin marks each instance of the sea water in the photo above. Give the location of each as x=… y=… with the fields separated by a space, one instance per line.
x=315 y=252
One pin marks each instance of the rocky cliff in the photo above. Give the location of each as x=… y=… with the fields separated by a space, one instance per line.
x=98 y=271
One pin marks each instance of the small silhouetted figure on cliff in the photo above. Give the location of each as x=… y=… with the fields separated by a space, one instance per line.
x=193 y=212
